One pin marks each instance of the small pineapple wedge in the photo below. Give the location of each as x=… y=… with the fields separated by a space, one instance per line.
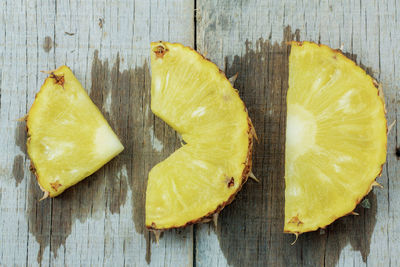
x=68 y=137
x=199 y=179
x=335 y=137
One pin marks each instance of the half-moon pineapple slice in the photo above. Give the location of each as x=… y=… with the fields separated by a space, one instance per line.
x=68 y=137
x=335 y=137
x=194 y=97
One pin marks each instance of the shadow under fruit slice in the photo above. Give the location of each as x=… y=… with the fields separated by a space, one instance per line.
x=199 y=179
x=68 y=137
x=335 y=137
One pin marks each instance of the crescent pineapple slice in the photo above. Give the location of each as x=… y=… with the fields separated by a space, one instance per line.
x=335 y=137
x=199 y=179
x=68 y=137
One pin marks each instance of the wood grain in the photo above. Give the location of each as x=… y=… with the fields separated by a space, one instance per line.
x=246 y=37
x=99 y=222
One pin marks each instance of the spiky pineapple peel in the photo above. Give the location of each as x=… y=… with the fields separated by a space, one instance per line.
x=335 y=139
x=68 y=137
x=198 y=180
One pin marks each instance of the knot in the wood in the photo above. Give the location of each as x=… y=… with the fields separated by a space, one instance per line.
x=398 y=152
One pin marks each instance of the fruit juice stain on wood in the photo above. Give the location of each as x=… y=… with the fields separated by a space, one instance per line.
x=20 y=141
x=47 y=44
x=119 y=95
x=254 y=223
x=109 y=83
x=262 y=84
x=124 y=97
x=39 y=216
x=20 y=136
x=18 y=169
x=51 y=220
x=354 y=230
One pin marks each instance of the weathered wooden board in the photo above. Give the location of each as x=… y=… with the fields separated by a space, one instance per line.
x=106 y=44
x=248 y=38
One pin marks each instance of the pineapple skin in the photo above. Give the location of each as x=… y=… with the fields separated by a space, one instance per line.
x=295 y=226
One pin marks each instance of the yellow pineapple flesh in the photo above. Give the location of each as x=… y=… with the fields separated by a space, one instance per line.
x=68 y=137
x=335 y=137
x=194 y=97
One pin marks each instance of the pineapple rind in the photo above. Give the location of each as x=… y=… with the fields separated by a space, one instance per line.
x=307 y=207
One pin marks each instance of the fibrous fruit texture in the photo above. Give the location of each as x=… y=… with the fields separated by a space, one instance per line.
x=68 y=137
x=335 y=137
x=194 y=97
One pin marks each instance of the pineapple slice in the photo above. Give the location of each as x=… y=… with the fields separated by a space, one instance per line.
x=68 y=138
x=335 y=137
x=198 y=180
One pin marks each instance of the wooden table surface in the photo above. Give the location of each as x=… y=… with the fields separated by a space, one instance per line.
x=100 y=221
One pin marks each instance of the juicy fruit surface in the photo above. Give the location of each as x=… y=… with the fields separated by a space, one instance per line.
x=335 y=137
x=69 y=138
x=191 y=95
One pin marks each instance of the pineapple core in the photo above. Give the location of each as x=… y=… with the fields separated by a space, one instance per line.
x=68 y=137
x=335 y=137
x=195 y=98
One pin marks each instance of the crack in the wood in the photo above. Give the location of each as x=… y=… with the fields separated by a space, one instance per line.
x=194 y=246
x=194 y=228
x=195 y=25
